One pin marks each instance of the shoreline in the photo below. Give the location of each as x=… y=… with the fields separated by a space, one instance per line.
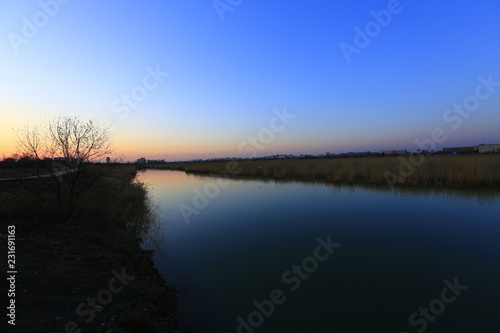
x=76 y=275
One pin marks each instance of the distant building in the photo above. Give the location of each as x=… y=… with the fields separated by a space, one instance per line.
x=156 y=161
x=460 y=150
x=108 y=160
x=73 y=162
x=491 y=148
x=395 y=152
x=141 y=160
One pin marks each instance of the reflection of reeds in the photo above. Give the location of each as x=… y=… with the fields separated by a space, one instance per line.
x=457 y=171
x=481 y=194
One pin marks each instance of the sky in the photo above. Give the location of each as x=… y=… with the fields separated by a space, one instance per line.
x=177 y=79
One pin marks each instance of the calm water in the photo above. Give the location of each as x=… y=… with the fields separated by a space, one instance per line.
x=250 y=259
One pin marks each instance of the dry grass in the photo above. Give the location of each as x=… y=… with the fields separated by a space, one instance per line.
x=14 y=173
x=115 y=202
x=449 y=171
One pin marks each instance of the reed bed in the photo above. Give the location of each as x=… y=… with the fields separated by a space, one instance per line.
x=117 y=201
x=449 y=171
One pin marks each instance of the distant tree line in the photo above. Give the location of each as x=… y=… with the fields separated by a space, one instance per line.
x=16 y=161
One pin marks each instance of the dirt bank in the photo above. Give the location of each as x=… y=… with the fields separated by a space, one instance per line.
x=60 y=270
x=76 y=277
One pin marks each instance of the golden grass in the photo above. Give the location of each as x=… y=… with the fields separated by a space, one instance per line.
x=450 y=171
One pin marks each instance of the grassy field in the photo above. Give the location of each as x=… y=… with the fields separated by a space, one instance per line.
x=114 y=200
x=68 y=250
x=14 y=173
x=448 y=171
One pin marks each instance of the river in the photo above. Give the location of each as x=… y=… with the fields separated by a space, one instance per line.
x=263 y=256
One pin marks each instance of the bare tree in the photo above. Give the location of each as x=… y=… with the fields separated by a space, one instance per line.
x=63 y=149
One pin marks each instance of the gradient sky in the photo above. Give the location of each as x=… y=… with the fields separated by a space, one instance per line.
x=225 y=77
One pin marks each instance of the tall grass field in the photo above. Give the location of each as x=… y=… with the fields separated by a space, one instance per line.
x=453 y=171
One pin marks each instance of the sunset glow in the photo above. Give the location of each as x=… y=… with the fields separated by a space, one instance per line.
x=176 y=80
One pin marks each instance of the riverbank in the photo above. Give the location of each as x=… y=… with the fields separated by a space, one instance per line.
x=450 y=171
x=80 y=267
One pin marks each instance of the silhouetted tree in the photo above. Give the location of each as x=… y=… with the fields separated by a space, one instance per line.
x=63 y=148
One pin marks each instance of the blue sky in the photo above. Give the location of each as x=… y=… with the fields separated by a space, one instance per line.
x=225 y=77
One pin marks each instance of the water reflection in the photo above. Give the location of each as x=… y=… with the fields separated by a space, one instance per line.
x=397 y=249
x=481 y=194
